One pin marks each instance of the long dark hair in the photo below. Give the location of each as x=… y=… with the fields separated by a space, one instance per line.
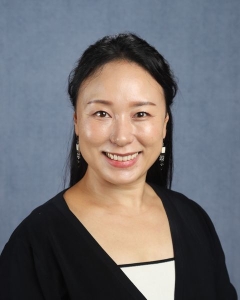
x=128 y=47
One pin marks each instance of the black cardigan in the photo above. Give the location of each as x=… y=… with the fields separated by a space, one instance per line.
x=52 y=256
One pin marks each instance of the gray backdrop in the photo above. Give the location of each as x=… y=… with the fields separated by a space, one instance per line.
x=40 y=42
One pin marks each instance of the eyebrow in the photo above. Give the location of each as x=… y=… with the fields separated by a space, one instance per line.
x=133 y=104
x=142 y=103
x=100 y=101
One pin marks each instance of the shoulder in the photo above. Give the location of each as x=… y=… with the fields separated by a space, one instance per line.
x=29 y=258
x=178 y=200
x=182 y=203
x=195 y=232
x=185 y=211
x=190 y=222
x=38 y=223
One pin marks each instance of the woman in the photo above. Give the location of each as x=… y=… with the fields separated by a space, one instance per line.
x=117 y=232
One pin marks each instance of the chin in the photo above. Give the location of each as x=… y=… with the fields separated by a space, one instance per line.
x=124 y=180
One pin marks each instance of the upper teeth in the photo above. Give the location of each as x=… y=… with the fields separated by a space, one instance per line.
x=121 y=158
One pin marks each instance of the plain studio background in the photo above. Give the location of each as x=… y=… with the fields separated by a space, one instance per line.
x=40 y=42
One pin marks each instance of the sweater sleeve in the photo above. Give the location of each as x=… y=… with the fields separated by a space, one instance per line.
x=225 y=290
x=18 y=277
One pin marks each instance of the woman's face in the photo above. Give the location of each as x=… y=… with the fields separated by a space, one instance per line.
x=121 y=122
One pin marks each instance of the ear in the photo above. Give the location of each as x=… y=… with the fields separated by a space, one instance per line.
x=75 y=120
x=165 y=125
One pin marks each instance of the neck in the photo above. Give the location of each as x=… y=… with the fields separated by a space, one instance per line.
x=129 y=196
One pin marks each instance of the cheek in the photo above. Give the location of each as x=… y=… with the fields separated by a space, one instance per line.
x=93 y=132
x=151 y=133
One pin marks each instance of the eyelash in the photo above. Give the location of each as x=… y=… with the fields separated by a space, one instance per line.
x=101 y=114
x=141 y=114
x=104 y=114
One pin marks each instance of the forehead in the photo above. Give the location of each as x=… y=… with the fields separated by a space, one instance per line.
x=120 y=79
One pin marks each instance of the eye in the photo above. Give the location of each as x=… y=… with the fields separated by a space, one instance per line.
x=101 y=114
x=141 y=114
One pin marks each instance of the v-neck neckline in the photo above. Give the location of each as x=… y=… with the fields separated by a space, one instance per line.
x=105 y=257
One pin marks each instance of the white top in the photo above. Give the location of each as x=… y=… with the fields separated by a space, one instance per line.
x=155 y=280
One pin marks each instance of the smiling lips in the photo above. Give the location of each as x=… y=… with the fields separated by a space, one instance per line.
x=121 y=157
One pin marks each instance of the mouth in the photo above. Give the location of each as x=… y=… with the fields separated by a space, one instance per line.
x=118 y=157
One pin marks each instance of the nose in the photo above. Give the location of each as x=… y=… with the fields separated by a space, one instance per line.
x=122 y=132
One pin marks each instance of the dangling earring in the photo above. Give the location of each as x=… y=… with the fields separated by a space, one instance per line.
x=78 y=151
x=162 y=157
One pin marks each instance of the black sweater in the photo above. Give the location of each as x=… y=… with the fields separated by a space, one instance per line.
x=52 y=256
